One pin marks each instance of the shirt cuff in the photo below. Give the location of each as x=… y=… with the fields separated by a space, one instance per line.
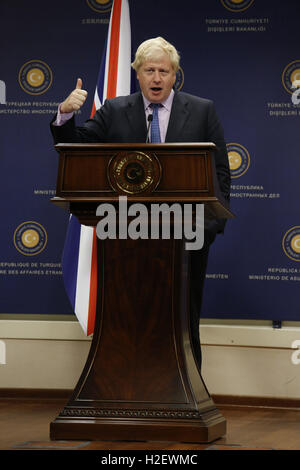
x=62 y=118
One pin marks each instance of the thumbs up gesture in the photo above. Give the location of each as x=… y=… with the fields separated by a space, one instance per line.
x=75 y=99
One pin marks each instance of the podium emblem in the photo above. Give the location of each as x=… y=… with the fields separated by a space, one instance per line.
x=134 y=172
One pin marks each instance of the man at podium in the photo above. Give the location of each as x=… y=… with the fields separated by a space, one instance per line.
x=174 y=117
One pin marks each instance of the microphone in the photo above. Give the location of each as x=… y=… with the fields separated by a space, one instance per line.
x=150 y=119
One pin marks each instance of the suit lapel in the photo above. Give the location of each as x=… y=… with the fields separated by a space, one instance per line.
x=137 y=121
x=136 y=117
x=178 y=118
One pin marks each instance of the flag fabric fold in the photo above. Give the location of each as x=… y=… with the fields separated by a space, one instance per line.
x=79 y=261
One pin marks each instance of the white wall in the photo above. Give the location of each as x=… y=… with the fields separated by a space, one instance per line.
x=244 y=360
x=239 y=359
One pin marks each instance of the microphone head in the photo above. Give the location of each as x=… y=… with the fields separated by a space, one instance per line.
x=150 y=117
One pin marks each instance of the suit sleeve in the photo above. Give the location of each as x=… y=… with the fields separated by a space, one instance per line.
x=94 y=130
x=215 y=134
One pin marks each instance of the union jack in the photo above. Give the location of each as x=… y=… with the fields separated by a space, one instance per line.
x=79 y=260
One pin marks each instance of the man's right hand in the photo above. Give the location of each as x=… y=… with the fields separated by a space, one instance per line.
x=75 y=99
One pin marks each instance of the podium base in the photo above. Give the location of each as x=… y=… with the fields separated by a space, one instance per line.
x=204 y=429
x=141 y=381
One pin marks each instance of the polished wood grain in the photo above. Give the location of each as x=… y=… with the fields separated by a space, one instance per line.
x=24 y=423
x=187 y=174
x=141 y=376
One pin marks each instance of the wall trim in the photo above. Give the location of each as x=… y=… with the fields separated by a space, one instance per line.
x=220 y=400
x=42 y=329
x=212 y=334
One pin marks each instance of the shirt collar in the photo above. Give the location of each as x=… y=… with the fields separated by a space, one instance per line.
x=166 y=104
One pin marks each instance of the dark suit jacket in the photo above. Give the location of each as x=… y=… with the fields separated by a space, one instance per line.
x=122 y=119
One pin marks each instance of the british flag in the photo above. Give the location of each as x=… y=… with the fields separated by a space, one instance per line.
x=79 y=261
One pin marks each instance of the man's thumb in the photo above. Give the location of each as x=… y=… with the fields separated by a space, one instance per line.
x=79 y=84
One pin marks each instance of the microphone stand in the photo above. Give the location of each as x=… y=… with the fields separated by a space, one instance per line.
x=150 y=119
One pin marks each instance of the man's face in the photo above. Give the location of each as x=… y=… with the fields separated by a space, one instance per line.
x=156 y=78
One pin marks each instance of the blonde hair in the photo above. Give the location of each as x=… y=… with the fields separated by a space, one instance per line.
x=154 y=48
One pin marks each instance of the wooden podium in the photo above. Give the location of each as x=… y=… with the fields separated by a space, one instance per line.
x=140 y=381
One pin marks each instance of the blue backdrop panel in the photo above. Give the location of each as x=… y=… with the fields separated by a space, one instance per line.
x=243 y=54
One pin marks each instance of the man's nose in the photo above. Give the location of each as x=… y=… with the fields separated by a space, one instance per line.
x=156 y=76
